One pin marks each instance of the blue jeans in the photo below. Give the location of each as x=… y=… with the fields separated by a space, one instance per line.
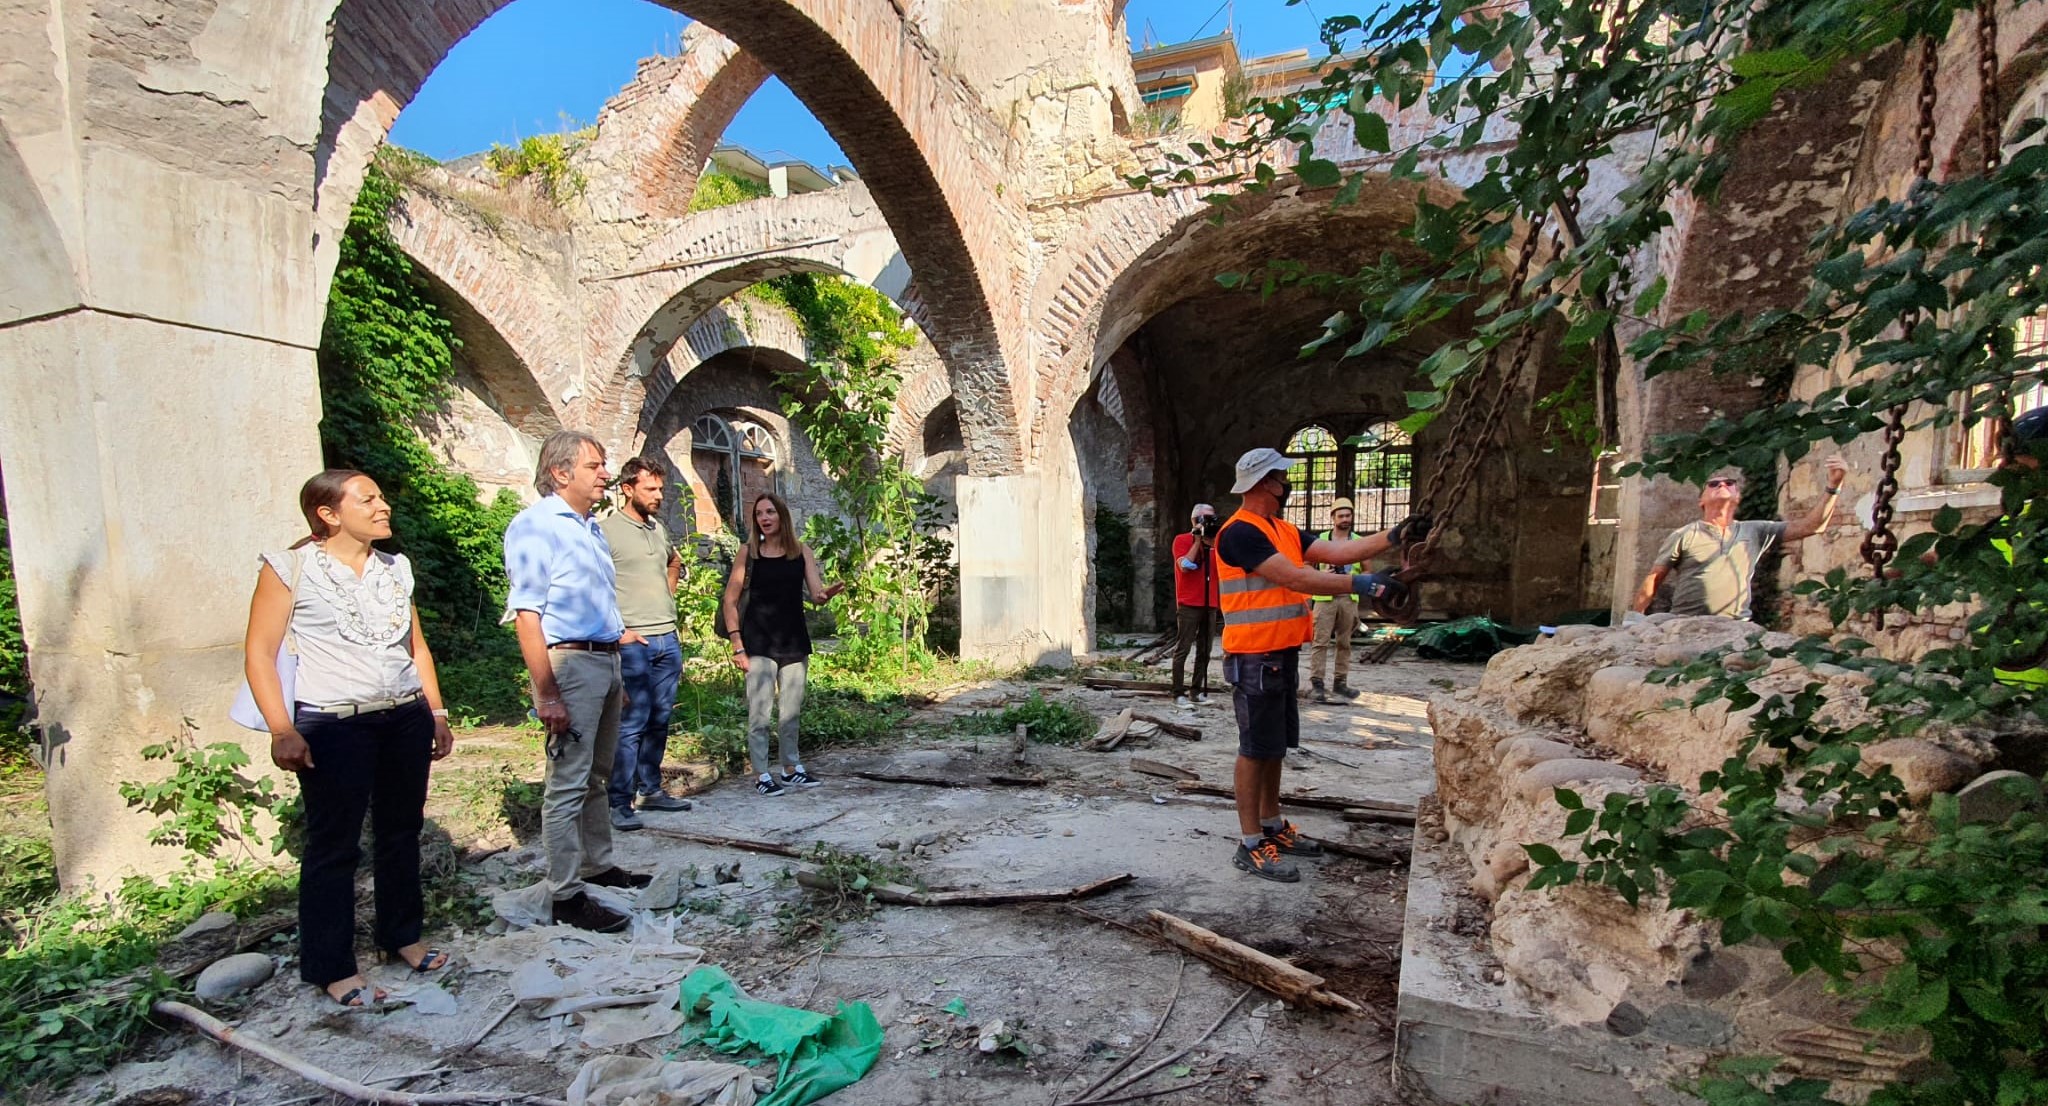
x=650 y=672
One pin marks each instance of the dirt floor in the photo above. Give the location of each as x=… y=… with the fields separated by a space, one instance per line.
x=1081 y=993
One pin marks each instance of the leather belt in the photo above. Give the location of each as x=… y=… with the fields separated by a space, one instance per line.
x=353 y=710
x=587 y=646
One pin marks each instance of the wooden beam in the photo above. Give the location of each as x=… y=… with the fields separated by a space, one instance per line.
x=1367 y=810
x=900 y=895
x=1243 y=962
x=741 y=843
x=1164 y=770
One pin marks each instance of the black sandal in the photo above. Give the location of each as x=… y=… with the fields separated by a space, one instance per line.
x=428 y=964
x=352 y=999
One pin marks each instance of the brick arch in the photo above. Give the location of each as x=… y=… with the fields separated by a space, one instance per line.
x=925 y=387
x=682 y=273
x=658 y=132
x=1139 y=254
x=526 y=354
x=920 y=138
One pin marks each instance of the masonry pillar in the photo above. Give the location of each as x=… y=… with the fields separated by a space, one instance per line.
x=158 y=393
x=1023 y=564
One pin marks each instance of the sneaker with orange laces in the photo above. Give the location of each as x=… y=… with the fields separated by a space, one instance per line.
x=1266 y=862
x=1288 y=839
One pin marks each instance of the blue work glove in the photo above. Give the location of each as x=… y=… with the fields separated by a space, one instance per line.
x=1189 y=565
x=1377 y=585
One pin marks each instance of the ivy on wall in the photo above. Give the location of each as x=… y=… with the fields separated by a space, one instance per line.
x=387 y=361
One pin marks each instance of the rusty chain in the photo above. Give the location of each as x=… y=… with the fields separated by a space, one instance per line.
x=1416 y=555
x=1880 y=545
x=1991 y=123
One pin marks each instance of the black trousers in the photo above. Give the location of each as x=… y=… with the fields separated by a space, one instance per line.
x=1192 y=627
x=375 y=763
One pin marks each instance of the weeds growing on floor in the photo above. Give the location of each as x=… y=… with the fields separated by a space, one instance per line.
x=1051 y=721
x=850 y=878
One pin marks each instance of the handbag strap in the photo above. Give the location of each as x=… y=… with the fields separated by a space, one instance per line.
x=291 y=638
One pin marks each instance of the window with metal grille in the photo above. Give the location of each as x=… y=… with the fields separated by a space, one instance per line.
x=1383 y=459
x=1313 y=477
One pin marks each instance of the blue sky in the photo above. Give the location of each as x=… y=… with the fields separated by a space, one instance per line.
x=540 y=63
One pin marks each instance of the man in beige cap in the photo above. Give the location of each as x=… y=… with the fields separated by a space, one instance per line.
x=1336 y=616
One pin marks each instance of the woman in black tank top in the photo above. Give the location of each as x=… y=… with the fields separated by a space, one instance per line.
x=770 y=642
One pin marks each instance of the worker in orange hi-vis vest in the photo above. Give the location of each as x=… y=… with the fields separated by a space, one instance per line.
x=1265 y=582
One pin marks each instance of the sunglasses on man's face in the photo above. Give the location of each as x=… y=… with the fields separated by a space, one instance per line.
x=1724 y=483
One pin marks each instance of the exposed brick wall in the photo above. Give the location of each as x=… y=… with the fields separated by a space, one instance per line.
x=933 y=154
x=654 y=137
x=525 y=302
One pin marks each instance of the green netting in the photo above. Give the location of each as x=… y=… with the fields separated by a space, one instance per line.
x=1467 y=639
x=818 y=1053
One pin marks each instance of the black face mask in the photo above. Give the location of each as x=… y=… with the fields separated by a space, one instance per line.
x=1286 y=489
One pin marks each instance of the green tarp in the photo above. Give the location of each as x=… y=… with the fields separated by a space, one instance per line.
x=818 y=1054
x=1467 y=639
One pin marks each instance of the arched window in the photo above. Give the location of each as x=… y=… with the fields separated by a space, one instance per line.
x=1314 y=476
x=1384 y=460
x=737 y=459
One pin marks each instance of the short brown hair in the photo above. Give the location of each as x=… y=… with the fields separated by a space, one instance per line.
x=637 y=467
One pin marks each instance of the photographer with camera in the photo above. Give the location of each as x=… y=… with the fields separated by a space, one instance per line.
x=1194 y=591
x=1264 y=583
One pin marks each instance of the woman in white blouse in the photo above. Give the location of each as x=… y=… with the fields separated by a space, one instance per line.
x=366 y=721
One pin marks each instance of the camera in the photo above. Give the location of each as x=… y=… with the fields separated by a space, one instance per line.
x=1207 y=525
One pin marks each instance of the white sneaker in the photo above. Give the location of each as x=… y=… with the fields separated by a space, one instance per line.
x=1201 y=698
x=1183 y=702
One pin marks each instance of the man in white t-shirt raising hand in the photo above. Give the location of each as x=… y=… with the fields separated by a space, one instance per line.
x=1711 y=563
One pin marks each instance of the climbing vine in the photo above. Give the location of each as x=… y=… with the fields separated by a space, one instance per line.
x=1932 y=920
x=881 y=544
x=14 y=690
x=387 y=363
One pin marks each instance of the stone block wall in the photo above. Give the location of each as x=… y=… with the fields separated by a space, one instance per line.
x=1576 y=712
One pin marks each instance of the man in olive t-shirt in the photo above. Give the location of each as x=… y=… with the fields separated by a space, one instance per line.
x=1711 y=563
x=646 y=569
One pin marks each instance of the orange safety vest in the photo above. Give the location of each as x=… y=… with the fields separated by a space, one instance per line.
x=1260 y=616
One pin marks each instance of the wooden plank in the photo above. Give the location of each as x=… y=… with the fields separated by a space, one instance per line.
x=900 y=895
x=1243 y=962
x=1113 y=732
x=1380 y=816
x=741 y=843
x=1366 y=809
x=1178 y=729
x=1163 y=770
x=926 y=781
x=1107 y=683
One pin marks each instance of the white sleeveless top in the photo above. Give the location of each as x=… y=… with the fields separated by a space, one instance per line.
x=354 y=634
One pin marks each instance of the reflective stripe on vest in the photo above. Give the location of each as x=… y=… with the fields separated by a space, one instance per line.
x=1260 y=616
x=1328 y=535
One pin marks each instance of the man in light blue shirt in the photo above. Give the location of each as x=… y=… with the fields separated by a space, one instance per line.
x=567 y=615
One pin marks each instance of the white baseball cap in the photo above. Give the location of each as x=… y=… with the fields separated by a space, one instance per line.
x=1256 y=466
